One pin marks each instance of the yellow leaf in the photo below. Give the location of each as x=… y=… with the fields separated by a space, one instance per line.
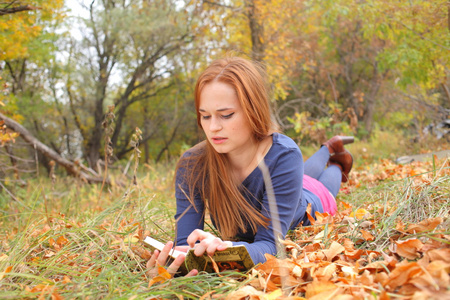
x=360 y=213
x=274 y=295
x=319 y=237
x=131 y=239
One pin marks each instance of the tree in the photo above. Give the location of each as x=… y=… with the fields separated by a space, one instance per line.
x=26 y=43
x=124 y=57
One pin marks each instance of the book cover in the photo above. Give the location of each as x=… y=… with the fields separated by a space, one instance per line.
x=234 y=258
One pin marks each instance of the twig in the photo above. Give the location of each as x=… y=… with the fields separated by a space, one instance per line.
x=12 y=195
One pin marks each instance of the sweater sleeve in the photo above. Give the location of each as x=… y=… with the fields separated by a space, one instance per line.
x=286 y=176
x=187 y=217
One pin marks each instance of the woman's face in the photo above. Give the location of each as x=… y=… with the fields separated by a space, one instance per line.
x=223 y=119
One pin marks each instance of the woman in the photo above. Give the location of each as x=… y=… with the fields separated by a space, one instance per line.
x=221 y=175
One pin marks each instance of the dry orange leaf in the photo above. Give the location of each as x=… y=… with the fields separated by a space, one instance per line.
x=214 y=265
x=312 y=247
x=345 y=204
x=163 y=275
x=439 y=254
x=409 y=248
x=246 y=292
x=61 y=241
x=350 y=250
x=325 y=273
x=41 y=288
x=319 y=287
x=277 y=267
x=310 y=218
x=402 y=274
x=425 y=225
x=57 y=296
x=367 y=235
x=7 y=270
x=335 y=249
x=399 y=226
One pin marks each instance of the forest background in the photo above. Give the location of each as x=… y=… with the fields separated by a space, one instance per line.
x=107 y=91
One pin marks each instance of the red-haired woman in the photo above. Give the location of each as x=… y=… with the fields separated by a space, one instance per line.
x=221 y=175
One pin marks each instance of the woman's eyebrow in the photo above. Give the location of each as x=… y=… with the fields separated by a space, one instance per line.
x=220 y=109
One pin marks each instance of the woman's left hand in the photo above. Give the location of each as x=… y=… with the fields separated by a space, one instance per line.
x=160 y=259
x=208 y=243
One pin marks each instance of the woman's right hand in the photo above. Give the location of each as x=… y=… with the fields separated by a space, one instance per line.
x=208 y=243
x=160 y=258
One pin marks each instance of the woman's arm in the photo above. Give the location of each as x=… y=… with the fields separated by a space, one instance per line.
x=286 y=175
x=187 y=217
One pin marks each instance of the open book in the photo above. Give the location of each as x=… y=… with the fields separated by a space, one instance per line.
x=234 y=258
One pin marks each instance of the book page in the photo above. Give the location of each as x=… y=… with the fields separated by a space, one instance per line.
x=159 y=246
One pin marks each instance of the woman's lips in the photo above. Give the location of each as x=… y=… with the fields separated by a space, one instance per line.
x=218 y=140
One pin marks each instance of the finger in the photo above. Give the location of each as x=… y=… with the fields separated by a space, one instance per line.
x=193 y=272
x=200 y=248
x=195 y=235
x=151 y=262
x=208 y=245
x=198 y=235
x=152 y=271
x=212 y=247
x=164 y=254
x=182 y=248
x=176 y=264
x=224 y=245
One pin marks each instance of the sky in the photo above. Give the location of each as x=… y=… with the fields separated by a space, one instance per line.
x=76 y=8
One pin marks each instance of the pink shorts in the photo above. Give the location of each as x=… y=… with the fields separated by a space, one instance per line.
x=317 y=188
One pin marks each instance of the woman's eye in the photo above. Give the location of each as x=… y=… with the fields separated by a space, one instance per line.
x=206 y=117
x=228 y=116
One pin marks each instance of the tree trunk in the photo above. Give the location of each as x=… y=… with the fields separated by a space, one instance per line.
x=94 y=143
x=71 y=168
x=256 y=31
x=447 y=92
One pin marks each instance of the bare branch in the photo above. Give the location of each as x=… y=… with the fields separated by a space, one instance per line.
x=13 y=10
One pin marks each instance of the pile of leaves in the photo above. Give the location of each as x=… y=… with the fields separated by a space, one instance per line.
x=326 y=263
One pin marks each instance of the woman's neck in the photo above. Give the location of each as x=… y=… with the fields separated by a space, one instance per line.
x=244 y=163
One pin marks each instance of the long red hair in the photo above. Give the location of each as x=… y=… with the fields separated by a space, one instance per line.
x=208 y=172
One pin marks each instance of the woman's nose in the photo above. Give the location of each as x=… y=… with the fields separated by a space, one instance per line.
x=215 y=124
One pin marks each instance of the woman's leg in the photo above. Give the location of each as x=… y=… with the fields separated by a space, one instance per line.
x=315 y=165
x=331 y=178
